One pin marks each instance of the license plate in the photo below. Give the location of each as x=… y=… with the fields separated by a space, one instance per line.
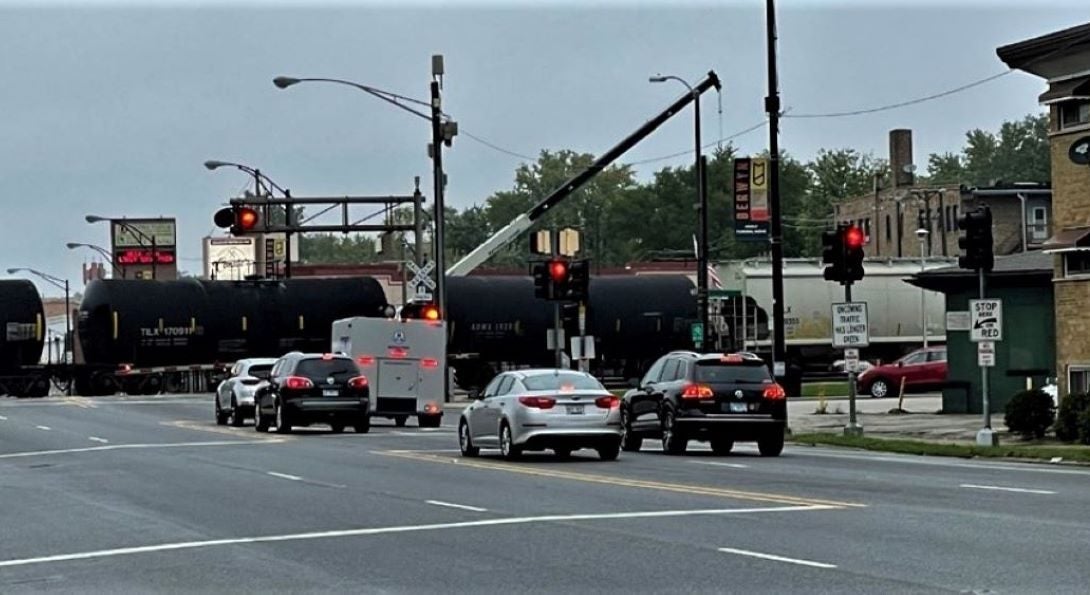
x=575 y=409
x=331 y=392
x=738 y=408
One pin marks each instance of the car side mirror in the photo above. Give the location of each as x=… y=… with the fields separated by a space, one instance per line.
x=476 y=395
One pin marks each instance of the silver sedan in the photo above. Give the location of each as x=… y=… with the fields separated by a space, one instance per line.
x=561 y=410
x=235 y=395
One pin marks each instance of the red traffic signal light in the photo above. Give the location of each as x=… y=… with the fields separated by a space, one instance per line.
x=558 y=270
x=246 y=218
x=853 y=238
x=240 y=219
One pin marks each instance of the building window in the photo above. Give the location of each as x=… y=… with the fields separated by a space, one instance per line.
x=954 y=219
x=1076 y=263
x=1078 y=379
x=889 y=229
x=1074 y=113
x=866 y=228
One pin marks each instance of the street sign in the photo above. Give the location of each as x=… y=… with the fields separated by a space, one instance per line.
x=697 y=332
x=985 y=320
x=851 y=359
x=582 y=348
x=958 y=320
x=421 y=275
x=850 y=325
x=985 y=354
x=422 y=296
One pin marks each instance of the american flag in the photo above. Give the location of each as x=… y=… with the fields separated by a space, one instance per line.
x=713 y=278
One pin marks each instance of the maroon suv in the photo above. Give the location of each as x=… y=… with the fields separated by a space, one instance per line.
x=921 y=370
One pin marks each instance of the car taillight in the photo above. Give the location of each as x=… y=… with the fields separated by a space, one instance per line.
x=608 y=402
x=538 y=402
x=358 y=383
x=366 y=360
x=775 y=392
x=697 y=391
x=429 y=363
x=297 y=383
x=398 y=352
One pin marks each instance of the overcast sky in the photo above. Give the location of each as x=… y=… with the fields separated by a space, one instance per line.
x=111 y=108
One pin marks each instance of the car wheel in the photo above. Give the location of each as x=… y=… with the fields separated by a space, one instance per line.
x=364 y=424
x=507 y=443
x=465 y=442
x=609 y=452
x=672 y=443
x=879 y=388
x=771 y=445
x=221 y=415
x=337 y=428
x=260 y=423
x=400 y=420
x=630 y=442
x=236 y=415
x=283 y=426
x=722 y=446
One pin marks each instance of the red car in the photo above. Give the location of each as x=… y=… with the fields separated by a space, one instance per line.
x=923 y=369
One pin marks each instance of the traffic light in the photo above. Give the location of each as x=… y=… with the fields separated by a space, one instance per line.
x=559 y=275
x=842 y=248
x=977 y=241
x=542 y=282
x=420 y=311
x=579 y=281
x=239 y=218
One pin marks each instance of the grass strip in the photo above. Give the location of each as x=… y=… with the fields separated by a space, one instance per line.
x=1023 y=450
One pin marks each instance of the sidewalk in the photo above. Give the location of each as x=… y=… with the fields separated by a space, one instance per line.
x=922 y=422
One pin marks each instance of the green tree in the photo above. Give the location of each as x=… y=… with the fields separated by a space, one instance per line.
x=336 y=249
x=1019 y=152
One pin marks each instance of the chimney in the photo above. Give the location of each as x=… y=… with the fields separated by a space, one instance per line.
x=900 y=158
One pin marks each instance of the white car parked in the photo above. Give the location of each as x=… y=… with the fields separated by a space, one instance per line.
x=235 y=395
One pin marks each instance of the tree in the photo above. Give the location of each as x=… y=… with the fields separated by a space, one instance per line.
x=336 y=249
x=1018 y=153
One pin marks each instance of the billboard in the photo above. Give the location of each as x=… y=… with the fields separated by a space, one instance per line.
x=145 y=248
x=230 y=259
x=751 y=213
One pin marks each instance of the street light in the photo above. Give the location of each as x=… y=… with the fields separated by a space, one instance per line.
x=63 y=284
x=442 y=133
x=104 y=252
x=702 y=197
x=140 y=237
x=214 y=164
x=922 y=235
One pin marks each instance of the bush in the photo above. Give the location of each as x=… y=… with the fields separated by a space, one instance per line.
x=1067 y=419
x=1030 y=413
x=1084 y=426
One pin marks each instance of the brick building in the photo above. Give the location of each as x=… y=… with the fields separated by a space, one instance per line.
x=1062 y=59
x=892 y=217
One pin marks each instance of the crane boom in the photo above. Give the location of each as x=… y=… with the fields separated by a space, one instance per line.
x=526 y=220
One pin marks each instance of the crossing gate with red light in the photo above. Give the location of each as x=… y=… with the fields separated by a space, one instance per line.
x=404 y=361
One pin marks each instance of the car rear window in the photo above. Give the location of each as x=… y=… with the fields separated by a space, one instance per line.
x=726 y=372
x=340 y=369
x=260 y=371
x=562 y=381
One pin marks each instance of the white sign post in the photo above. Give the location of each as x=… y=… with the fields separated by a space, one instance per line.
x=850 y=328
x=985 y=320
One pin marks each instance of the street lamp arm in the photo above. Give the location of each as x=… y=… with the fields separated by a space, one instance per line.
x=387 y=96
x=661 y=79
x=214 y=164
x=55 y=281
x=105 y=254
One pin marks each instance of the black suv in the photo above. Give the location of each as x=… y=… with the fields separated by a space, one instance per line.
x=313 y=388
x=720 y=398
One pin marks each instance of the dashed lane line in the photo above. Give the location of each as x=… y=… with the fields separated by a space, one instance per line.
x=508 y=521
x=97 y=439
x=775 y=558
x=721 y=464
x=109 y=447
x=1007 y=489
x=621 y=481
x=284 y=476
x=458 y=506
x=44 y=428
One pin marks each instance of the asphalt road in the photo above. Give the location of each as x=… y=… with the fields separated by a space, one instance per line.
x=138 y=495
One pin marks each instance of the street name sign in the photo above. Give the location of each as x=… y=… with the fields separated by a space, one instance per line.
x=850 y=325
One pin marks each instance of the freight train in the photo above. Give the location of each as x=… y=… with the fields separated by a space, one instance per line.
x=143 y=337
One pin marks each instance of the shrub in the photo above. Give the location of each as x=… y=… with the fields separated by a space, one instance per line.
x=1084 y=426
x=1030 y=413
x=1067 y=419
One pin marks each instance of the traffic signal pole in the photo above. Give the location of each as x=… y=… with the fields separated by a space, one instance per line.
x=853 y=428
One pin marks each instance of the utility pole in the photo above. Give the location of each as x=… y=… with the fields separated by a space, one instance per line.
x=772 y=106
x=440 y=183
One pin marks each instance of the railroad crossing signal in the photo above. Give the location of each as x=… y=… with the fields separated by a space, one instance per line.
x=422 y=280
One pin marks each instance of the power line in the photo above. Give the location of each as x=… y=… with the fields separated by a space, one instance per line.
x=495 y=147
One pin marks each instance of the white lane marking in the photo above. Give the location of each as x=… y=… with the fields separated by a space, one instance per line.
x=186 y=545
x=719 y=464
x=45 y=428
x=2 y=418
x=730 y=550
x=458 y=506
x=39 y=453
x=97 y=439
x=284 y=476
x=803 y=451
x=1004 y=489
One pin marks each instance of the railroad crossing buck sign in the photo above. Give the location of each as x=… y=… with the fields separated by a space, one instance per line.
x=850 y=325
x=985 y=320
x=422 y=280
